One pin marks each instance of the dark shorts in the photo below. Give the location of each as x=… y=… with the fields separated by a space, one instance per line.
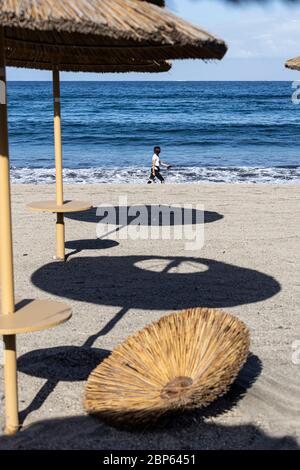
x=157 y=175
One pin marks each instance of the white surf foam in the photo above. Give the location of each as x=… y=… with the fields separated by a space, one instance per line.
x=175 y=175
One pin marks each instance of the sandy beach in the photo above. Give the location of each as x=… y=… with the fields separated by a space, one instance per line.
x=249 y=266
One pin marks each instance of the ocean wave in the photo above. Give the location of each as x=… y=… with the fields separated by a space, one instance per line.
x=288 y=174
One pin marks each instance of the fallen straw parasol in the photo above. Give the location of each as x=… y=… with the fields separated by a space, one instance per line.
x=114 y=30
x=185 y=360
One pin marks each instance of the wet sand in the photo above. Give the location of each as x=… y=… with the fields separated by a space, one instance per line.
x=249 y=266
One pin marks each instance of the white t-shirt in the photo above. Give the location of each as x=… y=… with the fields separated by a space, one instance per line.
x=155 y=160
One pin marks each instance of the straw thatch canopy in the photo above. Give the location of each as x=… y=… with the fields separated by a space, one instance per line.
x=120 y=29
x=141 y=67
x=149 y=66
x=68 y=64
x=293 y=64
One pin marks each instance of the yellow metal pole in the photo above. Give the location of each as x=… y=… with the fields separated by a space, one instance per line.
x=6 y=257
x=60 y=225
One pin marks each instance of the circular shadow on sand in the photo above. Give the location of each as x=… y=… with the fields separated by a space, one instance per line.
x=121 y=281
x=146 y=215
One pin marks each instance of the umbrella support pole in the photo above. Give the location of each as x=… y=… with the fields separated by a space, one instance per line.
x=60 y=226
x=60 y=237
x=6 y=257
x=11 y=385
x=58 y=206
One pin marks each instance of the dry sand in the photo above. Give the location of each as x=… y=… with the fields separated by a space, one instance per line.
x=249 y=266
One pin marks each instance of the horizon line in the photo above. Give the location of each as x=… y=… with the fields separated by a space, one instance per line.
x=151 y=81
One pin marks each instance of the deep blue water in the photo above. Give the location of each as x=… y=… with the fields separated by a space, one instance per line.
x=210 y=131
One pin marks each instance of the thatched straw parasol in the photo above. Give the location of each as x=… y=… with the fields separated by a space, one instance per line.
x=293 y=64
x=125 y=29
x=89 y=32
x=185 y=360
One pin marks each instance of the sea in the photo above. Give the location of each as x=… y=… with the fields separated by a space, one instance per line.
x=227 y=132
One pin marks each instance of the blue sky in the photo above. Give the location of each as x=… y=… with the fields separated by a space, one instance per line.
x=260 y=39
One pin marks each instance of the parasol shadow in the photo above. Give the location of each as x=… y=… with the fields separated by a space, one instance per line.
x=129 y=282
x=178 y=282
x=150 y=215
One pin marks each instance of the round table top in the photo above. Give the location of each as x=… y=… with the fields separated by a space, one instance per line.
x=67 y=206
x=34 y=315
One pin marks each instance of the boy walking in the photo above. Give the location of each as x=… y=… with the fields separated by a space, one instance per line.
x=155 y=169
